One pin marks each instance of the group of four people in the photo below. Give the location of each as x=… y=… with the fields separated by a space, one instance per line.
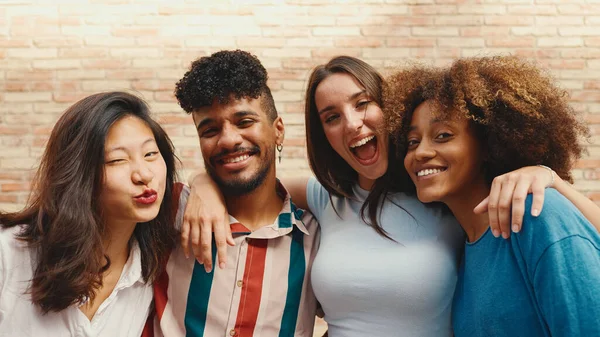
x=414 y=176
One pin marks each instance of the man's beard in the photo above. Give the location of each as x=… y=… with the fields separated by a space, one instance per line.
x=236 y=187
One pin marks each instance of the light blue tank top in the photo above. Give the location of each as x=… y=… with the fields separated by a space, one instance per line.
x=369 y=285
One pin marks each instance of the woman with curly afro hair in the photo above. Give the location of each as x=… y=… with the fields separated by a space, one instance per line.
x=462 y=127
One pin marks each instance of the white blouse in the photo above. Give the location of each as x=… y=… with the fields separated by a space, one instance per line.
x=122 y=314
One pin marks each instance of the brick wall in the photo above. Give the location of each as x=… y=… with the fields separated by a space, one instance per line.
x=55 y=52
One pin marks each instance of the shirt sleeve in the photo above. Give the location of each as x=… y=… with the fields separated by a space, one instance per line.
x=180 y=197
x=2 y=265
x=567 y=287
x=317 y=197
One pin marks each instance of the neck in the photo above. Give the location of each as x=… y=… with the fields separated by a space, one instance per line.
x=365 y=183
x=257 y=208
x=116 y=244
x=462 y=206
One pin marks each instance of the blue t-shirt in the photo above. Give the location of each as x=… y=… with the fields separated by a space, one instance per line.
x=543 y=281
x=371 y=286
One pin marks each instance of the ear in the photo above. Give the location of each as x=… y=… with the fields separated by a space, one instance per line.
x=279 y=130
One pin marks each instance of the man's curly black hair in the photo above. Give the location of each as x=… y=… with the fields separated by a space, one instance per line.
x=224 y=76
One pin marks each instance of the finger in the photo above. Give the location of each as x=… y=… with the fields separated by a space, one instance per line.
x=493 y=205
x=482 y=208
x=538 y=188
x=205 y=249
x=220 y=242
x=185 y=238
x=518 y=205
x=505 y=204
x=195 y=240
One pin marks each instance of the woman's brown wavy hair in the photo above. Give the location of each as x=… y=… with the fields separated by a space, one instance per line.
x=330 y=169
x=520 y=115
x=61 y=220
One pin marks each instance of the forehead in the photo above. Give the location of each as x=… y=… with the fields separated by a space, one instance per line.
x=428 y=113
x=336 y=87
x=127 y=129
x=219 y=111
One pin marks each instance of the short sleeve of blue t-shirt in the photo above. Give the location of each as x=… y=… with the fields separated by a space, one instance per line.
x=561 y=255
x=317 y=197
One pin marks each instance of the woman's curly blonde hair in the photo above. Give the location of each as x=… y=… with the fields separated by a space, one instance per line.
x=520 y=115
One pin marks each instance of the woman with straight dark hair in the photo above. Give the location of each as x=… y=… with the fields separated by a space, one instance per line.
x=80 y=258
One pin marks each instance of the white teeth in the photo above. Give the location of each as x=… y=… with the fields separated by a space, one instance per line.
x=236 y=159
x=427 y=172
x=362 y=142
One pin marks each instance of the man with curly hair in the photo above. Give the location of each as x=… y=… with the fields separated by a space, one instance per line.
x=265 y=289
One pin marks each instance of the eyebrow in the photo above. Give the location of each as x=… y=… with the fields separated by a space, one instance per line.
x=354 y=96
x=122 y=148
x=238 y=114
x=433 y=121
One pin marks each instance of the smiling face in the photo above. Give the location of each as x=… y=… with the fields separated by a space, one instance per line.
x=444 y=157
x=134 y=173
x=352 y=121
x=238 y=144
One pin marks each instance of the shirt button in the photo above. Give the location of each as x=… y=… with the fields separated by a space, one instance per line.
x=232 y=332
x=240 y=283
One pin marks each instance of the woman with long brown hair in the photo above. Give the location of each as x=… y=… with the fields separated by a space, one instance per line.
x=79 y=259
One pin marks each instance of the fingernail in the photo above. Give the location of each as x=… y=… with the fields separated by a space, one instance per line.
x=515 y=228
x=505 y=235
x=222 y=265
x=207 y=268
x=535 y=212
x=495 y=232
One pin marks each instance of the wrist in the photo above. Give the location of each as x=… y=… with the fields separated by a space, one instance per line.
x=553 y=175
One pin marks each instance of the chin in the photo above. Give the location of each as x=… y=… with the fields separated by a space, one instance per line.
x=375 y=172
x=147 y=215
x=426 y=198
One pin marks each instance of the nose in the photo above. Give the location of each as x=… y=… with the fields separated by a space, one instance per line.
x=229 y=137
x=354 y=120
x=424 y=151
x=142 y=174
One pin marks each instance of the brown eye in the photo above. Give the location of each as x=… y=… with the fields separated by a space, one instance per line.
x=443 y=135
x=331 y=118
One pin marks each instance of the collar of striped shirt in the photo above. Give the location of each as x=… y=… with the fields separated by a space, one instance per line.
x=289 y=217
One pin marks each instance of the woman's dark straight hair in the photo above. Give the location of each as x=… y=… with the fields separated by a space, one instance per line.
x=61 y=220
x=330 y=169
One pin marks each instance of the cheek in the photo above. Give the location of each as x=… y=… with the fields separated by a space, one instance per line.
x=407 y=161
x=375 y=117
x=113 y=187
x=334 y=137
x=160 y=172
x=206 y=147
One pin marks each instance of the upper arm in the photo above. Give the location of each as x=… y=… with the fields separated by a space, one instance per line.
x=567 y=287
x=5 y=236
x=317 y=198
x=2 y=265
x=296 y=187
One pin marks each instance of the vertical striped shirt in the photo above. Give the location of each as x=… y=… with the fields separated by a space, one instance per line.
x=264 y=290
